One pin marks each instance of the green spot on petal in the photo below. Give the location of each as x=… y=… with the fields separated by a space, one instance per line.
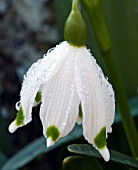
x=52 y=132
x=19 y=117
x=38 y=97
x=80 y=112
x=100 y=139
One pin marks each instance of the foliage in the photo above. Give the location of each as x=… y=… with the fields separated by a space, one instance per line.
x=115 y=156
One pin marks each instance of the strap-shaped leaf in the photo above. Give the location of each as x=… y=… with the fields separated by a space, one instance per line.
x=88 y=150
x=2 y=159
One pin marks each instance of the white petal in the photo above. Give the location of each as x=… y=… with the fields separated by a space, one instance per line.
x=60 y=103
x=50 y=142
x=109 y=100
x=97 y=105
x=12 y=127
x=40 y=72
x=105 y=154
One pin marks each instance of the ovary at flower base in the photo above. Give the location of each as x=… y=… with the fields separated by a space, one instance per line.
x=64 y=78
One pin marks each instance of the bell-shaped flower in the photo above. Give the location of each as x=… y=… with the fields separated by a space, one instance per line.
x=67 y=78
x=64 y=78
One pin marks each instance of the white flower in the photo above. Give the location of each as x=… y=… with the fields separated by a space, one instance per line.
x=64 y=78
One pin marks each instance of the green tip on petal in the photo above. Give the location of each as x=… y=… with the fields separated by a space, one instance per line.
x=75 y=28
x=100 y=139
x=19 y=117
x=38 y=97
x=80 y=112
x=52 y=132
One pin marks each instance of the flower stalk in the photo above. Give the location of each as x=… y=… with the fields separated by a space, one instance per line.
x=75 y=5
x=94 y=11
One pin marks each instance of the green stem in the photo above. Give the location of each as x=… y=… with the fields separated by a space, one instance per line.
x=94 y=11
x=75 y=5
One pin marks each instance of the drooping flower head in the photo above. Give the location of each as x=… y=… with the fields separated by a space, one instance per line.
x=65 y=78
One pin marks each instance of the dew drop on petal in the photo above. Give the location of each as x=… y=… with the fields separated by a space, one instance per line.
x=17 y=106
x=24 y=76
x=49 y=51
x=88 y=50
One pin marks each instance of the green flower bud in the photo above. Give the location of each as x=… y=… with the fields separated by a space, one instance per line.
x=75 y=28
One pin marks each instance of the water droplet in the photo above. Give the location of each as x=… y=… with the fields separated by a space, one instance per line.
x=17 y=106
x=24 y=76
x=49 y=51
x=106 y=78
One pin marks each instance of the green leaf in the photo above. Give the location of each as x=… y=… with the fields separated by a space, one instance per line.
x=36 y=148
x=2 y=159
x=81 y=163
x=88 y=150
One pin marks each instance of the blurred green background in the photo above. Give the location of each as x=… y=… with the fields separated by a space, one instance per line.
x=28 y=28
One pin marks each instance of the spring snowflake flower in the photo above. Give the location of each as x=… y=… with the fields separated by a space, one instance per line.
x=66 y=78
x=63 y=79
